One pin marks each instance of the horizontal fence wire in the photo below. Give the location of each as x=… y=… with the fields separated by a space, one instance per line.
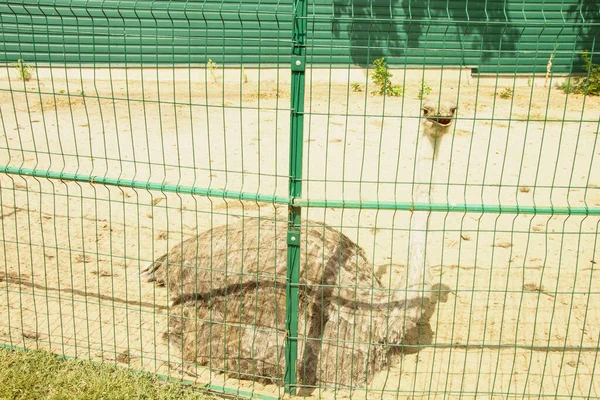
x=162 y=187
x=441 y=216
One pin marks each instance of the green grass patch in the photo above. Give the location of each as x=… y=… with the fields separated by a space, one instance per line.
x=590 y=84
x=41 y=375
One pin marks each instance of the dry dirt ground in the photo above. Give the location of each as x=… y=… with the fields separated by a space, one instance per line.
x=520 y=314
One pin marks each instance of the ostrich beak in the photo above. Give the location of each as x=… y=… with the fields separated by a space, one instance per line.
x=441 y=118
x=442 y=121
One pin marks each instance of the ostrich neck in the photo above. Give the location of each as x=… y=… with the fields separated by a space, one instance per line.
x=425 y=172
x=388 y=314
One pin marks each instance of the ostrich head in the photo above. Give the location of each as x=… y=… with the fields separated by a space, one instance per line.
x=437 y=117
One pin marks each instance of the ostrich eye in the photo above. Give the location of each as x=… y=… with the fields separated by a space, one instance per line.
x=453 y=110
x=425 y=112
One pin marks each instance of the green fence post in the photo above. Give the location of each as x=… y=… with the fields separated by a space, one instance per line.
x=298 y=61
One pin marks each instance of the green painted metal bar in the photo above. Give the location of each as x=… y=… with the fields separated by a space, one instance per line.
x=295 y=191
x=297 y=203
x=164 y=187
x=443 y=207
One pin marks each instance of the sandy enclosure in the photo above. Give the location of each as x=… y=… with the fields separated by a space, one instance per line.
x=518 y=311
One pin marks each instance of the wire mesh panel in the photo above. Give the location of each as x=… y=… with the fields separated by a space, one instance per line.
x=329 y=199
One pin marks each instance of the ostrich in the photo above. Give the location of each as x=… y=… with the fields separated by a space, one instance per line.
x=228 y=301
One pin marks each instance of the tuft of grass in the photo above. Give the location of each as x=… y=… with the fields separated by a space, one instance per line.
x=42 y=375
x=212 y=66
x=24 y=70
x=507 y=93
x=244 y=76
x=590 y=84
x=356 y=87
x=424 y=91
x=381 y=78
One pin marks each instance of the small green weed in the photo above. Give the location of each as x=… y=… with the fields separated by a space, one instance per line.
x=424 y=91
x=212 y=66
x=567 y=87
x=507 y=93
x=244 y=76
x=590 y=84
x=356 y=87
x=381 y=78
x=24 y=70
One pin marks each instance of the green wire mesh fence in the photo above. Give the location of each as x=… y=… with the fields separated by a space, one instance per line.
x=327 y=198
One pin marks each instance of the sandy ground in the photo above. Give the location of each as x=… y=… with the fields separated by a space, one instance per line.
x=519 y=317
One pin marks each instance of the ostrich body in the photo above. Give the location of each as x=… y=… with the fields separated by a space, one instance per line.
x=228 y=298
